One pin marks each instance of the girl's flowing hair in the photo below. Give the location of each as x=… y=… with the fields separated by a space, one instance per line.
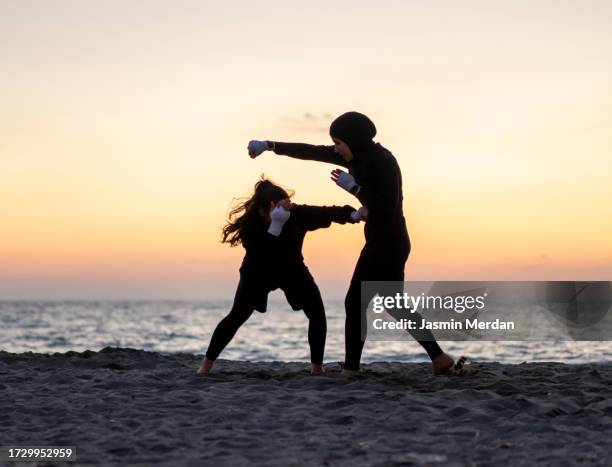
x=246 y=215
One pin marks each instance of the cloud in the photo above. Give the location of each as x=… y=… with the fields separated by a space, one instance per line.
x=310 y=122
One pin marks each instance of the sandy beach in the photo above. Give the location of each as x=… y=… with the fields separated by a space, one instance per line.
x=124 y=406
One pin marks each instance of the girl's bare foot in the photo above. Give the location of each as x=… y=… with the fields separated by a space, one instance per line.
x=316 y=369
x=442 y=363
x=206 y=366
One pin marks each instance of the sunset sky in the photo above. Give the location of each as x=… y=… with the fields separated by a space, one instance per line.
x=124 y=125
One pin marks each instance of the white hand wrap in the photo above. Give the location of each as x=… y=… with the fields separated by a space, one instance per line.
x=347 y=182
x=256 y=147
x=278 y=217
x=360 y=215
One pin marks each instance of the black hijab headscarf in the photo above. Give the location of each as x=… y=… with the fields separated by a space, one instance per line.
x=357 y=131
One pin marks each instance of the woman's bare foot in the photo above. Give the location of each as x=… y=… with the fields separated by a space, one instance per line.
x=442 y=363
x=206 y=366
x=316 y=369
x=349 y=373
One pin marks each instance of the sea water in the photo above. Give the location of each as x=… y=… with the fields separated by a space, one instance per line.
x=278 y=334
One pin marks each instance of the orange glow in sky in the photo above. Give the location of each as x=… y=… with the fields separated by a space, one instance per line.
x=123 y=132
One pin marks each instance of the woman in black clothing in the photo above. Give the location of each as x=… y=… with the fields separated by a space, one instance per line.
x=272 y=229
x=374 y=177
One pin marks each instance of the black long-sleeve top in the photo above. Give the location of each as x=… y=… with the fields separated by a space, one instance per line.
x=273 y=257
x=380 y=178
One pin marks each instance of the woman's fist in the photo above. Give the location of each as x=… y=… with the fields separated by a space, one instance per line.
x=256 y=147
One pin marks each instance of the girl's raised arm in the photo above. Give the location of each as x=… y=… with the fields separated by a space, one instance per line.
x=321 y=217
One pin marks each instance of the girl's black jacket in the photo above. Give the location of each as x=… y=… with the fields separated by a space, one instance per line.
x=274 y=262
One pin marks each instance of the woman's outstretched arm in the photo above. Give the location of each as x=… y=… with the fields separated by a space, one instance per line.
x=309 y=152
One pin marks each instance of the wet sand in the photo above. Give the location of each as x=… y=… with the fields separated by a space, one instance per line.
x=131 y=407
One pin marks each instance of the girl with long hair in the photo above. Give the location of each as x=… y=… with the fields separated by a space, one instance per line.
x=271 y=229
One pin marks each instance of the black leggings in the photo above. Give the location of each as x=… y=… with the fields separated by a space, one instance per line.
x=377 y=265
x=243 y=308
